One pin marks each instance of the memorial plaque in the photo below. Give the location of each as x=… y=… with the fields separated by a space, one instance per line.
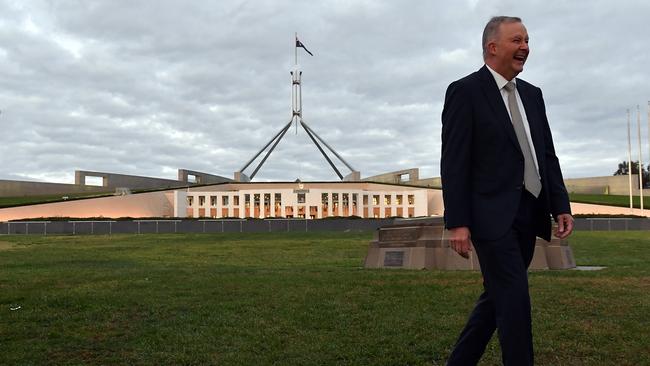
x=394 y=259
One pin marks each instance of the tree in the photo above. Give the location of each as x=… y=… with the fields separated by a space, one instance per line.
x=623 y=169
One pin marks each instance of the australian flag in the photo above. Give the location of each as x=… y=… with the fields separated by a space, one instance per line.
x=299 y=44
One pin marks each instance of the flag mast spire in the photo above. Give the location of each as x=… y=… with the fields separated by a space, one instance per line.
x=296 y=87
x=296 y=117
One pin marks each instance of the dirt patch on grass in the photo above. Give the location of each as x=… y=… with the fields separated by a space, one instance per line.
x=5 y=245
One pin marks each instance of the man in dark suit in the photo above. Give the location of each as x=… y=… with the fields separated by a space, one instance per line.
x=501 y=183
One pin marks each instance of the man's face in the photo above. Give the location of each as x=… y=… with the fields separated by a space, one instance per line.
x=510 y=50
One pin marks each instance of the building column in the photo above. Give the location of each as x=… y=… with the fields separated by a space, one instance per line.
x=242 y=206
x=180 y=204
x=272 y=203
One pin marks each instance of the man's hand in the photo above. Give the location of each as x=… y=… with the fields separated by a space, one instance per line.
x=564 y=226
x=459 y=239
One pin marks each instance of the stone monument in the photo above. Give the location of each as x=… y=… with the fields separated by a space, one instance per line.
x=423 y=244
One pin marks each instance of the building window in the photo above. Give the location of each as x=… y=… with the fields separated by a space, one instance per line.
x=365 y=199
x=213 y=200
x=247 y=200
x=375 y=199
x=411 y=199
x=267 y=199
x=313 y=211
x=256 y=200
x=398 y=199
x=235 y=200
x=301 y=198
x=354 y=199
x=201 y=200
x=346 y=199
x=190 y=200
x=224 y=200
x=278 y=200
x=324 y=198
x=387 y=200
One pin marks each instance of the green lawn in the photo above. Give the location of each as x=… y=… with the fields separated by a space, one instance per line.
x=295 y=299
x=612 y=200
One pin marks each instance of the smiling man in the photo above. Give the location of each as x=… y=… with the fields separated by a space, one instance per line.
x=501 y=183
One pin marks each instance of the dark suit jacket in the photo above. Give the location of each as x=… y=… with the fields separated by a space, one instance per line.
x=482 y=165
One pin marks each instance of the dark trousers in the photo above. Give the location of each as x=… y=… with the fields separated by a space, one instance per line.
x=504 y=304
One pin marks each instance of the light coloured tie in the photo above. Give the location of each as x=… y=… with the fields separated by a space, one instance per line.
x=531 y=177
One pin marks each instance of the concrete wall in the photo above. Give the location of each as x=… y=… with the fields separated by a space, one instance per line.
x=615 y=184
x=436 y=205
x=112 y=180
x=201 y=178
x=152 y=204
x=586 y=209
x=16 y=188
x=395 y=177
x=435 y=182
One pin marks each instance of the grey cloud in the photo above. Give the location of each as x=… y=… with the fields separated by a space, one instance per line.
x=148 y=87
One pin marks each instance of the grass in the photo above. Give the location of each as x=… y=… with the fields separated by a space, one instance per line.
x=295 y=299
x=611 y=200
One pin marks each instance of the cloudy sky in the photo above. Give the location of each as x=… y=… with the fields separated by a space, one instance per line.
x=147 y=87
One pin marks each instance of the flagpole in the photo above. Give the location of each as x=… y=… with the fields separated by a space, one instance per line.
x=296 y=88
x=638 y=124
x=629 y=157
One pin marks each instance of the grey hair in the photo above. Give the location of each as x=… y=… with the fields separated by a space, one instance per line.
x=492 y=29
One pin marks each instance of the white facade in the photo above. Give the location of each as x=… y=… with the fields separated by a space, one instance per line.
x=302 y=200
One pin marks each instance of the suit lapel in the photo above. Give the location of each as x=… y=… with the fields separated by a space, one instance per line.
x=494 y=98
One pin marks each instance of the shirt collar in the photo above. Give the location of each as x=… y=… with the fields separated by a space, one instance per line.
x=501 y=81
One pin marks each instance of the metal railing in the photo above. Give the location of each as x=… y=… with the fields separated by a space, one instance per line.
x=110 y=227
